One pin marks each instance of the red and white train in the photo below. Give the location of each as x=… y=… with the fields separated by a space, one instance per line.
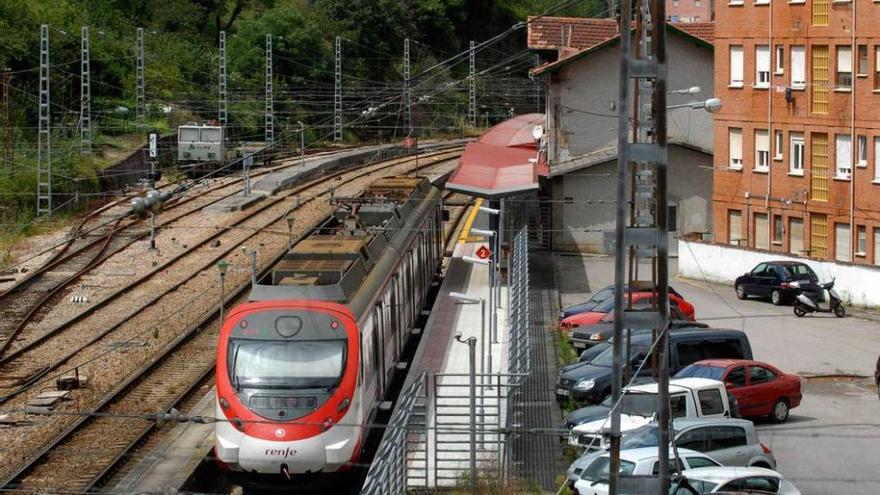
x=306 y=362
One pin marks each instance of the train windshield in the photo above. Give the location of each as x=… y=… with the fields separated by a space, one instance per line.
x=286 y=364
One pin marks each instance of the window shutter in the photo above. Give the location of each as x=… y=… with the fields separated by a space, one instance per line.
x=734 y=226
x=735 y=144
x=842 y=242
x=798 y=71
x=736 y=64
x=876 y=158
x=844 y=59
x=762 y=231
x=796 y=235
x=844 y=154
x=762 y=58
x=762 y=141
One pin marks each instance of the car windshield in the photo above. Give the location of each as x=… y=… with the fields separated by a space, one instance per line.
x=699 y=485
x=645 y=436
x=798 y=272
x=598 y=469
x=603 y=295
x=286 y=364
x=701 y=371
x=638 y=404
x=606 y=358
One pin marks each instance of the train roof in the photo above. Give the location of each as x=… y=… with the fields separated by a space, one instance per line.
x=334 y=260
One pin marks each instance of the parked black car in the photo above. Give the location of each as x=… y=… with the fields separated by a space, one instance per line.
x=596 y=299
x=877 y=376
x=778 y=280
x=588 y=336
x=590 y=382
x=591 y=352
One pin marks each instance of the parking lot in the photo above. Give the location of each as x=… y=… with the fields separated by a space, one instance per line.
x=831 y=443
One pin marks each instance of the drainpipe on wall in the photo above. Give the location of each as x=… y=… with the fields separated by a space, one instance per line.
x=854 y=143
x=770 y=136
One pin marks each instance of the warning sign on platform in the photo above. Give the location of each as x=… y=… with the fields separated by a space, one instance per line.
x=483 y=252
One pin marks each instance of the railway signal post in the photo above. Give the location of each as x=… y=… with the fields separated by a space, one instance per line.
x=222 y=266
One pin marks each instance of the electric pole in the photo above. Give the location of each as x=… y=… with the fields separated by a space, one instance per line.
x=141 y=99
x=270 y=116
x=85 y=97
x=536 y=84
x=44 y=145
x=641 y=233
x=472 y=87
x=407 y=91
x=337 y=93
x=222 y=82
x=7 y=121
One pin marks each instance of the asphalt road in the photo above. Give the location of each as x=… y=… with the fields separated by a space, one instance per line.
x=831 y=443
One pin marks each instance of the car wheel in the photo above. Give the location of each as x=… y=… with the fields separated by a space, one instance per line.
x=839 y=311
x=740 y=291
x=878 y=389
x=761 y=465
x=776 y=297
x=780 y=411
x=799 y=310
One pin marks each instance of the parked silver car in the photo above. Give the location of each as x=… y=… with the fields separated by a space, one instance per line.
x=732 y=442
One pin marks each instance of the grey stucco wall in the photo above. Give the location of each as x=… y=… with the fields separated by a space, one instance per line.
x=590 y=84
x=584 y=201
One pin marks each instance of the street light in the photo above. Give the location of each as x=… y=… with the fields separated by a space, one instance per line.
x=289 y=231
x=466 y=299
x=472 y=347
x=689 y=91
x=484 y=233
x=493 y=324
x=222 y=266
x=711 y=105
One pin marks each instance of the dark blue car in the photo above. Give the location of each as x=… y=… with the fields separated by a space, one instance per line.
x=780 y=281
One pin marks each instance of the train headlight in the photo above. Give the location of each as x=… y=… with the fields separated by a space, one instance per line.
x=237 y=423
x=343 y=405
x=288 y=326
x=224 y=403
x=326 y=424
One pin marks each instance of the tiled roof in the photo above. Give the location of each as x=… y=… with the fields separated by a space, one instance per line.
x=702 y=30
x=554 y=33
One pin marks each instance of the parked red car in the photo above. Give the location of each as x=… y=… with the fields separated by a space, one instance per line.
x=639 y=300
x=760 y=389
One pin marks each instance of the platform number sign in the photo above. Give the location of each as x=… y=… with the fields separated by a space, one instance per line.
x=153 y=145
x=483 y=252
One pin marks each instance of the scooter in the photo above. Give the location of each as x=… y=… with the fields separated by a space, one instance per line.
x=822 y=300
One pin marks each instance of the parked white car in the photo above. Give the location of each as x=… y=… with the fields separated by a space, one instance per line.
x=644 y=461
x=737 y=479
x=689 y=397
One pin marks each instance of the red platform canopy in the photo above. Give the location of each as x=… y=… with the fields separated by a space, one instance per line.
x=502 y=161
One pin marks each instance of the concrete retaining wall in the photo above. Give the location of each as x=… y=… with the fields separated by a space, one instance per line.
x=857 y=284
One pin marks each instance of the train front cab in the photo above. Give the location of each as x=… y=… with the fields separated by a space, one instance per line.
x=287 y=382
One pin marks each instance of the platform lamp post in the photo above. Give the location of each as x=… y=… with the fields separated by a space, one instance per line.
x=496 y=257
x=472 y=346
x=493 y=324
x=302 y=144
x=467 y=299
x=222 y=266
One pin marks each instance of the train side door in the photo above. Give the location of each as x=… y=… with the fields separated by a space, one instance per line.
x=378 y=348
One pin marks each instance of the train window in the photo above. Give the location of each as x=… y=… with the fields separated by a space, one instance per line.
x=188 y=134
x=211 y=135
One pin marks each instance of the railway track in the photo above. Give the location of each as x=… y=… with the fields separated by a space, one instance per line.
x=185 y=359
x=25 y=302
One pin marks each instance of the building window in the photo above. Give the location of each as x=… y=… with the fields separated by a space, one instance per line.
x=780 y=59
x=734 y=227
x=844 y=67
x=698 y=3
x=819 y=84
x=736 y=66
x=877 y=159
x=842 y=242
x=675 y=3
x=735 y=136
x=778 y=143
x=762 y=231
x=818 y=235
x=820 y=12
x=778 y=229
x=877 y=67
x=798 y=67
x=863 y=60
x=796 y=157
x=796 y=235
x=843 y=156
x=762 y=66
x=877 y=246
x=862 y=237
x=762 y=150
x=819 y=166
x=863 y=151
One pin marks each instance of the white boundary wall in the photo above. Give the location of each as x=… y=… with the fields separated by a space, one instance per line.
x=857 y=284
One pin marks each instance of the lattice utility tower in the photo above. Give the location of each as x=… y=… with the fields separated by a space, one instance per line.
x=337 y=93
x=407 y=91
x=141 y=96
x=641 y=233
x=270 y=114
x=85 y=97
x=221 y=114
x=7 y=122
x=472 y=86
x=44 y=145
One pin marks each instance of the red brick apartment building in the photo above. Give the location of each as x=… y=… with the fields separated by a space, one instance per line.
x=797 y=143
x=690 y=10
